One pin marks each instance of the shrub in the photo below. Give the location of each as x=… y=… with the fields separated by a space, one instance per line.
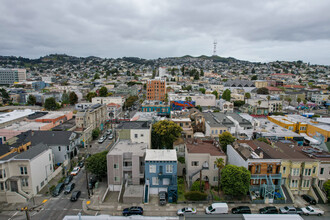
x=180 y=180
x=182 y=160
x=61 y=180
x=196 y=186
x=195 y=196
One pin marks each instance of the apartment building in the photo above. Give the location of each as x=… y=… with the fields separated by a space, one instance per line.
x=119 y=100
x=185 y=124
x=200 y=157
x=135 y=131
x=125 y=163
x=10 y=76
x=260 y=83
x=90 y=118
x=24 y=173
x=156 y=89
x=162 y=108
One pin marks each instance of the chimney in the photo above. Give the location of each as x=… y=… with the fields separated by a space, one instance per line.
x=261 y=154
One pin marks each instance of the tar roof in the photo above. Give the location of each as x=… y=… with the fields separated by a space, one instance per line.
x=134 y=125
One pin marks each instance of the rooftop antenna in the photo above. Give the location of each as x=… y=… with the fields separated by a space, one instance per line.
x=214 y=47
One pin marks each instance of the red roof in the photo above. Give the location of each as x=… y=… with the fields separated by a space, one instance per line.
x=294 y=86
x=282 y=74
x=113 y=104
x=271 y=88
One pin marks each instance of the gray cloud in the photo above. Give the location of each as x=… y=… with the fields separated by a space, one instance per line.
x=258 y=30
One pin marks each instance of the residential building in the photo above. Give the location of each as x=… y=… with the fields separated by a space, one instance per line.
x=199 y=160
x=204 y=100
x=162 y=108
x=265 y=168
x=119 y=100
x=274 y=90
x=260 y=83
x=89 y=119
x=185 y=124
x=225 y=106
x=156 y=89
x=161 y=174
x=135 y=131
x=24 y=173
x=114 y=110
x=10 y=76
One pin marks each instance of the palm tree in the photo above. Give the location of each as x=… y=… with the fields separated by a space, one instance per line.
x=268 y=98
x=219 y=162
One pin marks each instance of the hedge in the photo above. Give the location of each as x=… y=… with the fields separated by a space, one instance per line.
x=195 y=196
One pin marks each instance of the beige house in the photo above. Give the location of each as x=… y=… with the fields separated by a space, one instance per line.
x=24 y=174
x=261 y=83
x=200 y=157
x=89 y=119
x=185 y=124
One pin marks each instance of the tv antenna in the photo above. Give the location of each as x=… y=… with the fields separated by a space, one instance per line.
x=214 y=47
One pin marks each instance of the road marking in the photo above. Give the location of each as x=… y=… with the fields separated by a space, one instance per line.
x=88 y=202
x=13 y=215
x=45 y=201
x=96 y=213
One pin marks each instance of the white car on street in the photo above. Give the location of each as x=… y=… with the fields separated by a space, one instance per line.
x=75 y=171
x=186 y=210
x=309 y=210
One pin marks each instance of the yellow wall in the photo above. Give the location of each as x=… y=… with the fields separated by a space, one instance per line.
x=311 y=130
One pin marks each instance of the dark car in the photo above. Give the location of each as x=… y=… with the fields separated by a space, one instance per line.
x=68 y=180
x=241 y=210
x=75 y=195
x=134 y=210
x=81 y=164
x=69 y=188
x=58 y=189
x=309 y=199
x=268 y=210
x=162 y=198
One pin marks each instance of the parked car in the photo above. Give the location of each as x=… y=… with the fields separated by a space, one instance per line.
x=162 y=198
x=217 y=208
x=268 y=210
x=309 y=210
x=186 y=210
x=75 y=171
x=290 y=210
x=69 y=188
x=81 y=164
x=109 y=131
x=309 y=199
x=58 y=189
x=134 y=210
x=75 y=195
x=101 y=140
x=110 y=136
x=68 y=180
x=241 y=210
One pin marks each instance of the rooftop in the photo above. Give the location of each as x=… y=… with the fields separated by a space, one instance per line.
x=16 y=114
x=134 y=125
x=160 y=155
x=199 y=147
x=126 y=146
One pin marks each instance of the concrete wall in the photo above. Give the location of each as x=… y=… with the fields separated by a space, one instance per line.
x=234 y=158
x=112 y=172
x=143 y=136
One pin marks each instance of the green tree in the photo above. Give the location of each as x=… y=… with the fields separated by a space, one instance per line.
x=298 y=100
x=73 y=98
x=188 y=88
x=226 y=95
x=97 y=164
x=305 y=102
x=199 y=108
x=289 y=100
x=268 y=98
x=202 y=72
x=166 y=98
x=50 y=104
x=254 y=77
x=65 y=98
x=103 y=92
x=31 y=100
x=235 y=181
x=202 y=90
x=216 y=94
x=263 y=91
x=247 y=95
x=95 y=133
x=96 y=76
x=5 y=95
x=91 y=95
x=326 y=187
x=225 y=139
x=263 y=139
x=220 y=164
x=166 y=133
x=130 y=101
x=188 y=99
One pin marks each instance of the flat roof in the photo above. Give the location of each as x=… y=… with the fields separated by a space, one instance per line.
x=126 y=146
x=160 y=155
x=53 y=115
x=16 y=114
x=25 y=126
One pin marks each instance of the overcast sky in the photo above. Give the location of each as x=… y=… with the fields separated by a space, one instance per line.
x=259 y=30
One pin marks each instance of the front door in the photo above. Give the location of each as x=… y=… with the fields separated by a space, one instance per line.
x=13 y=186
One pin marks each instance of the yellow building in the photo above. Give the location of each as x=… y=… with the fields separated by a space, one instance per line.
x=323 y=129
x=261 y=83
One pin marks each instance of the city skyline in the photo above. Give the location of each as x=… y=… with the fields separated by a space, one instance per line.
x=256 y=31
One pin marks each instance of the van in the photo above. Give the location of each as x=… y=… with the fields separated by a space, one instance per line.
x=162 y=198
x=217 y=208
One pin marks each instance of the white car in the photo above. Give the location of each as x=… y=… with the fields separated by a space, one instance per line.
x=186 y=210
x=309 y=210
x=75 y=171
x=101 y=140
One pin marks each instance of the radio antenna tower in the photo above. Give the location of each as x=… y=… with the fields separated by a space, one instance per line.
x=214 y=47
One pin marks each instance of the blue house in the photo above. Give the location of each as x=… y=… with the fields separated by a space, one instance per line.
x=161 y=174
x=162 y=108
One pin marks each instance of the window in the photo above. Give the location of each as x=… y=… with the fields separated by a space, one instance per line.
x=152 y=168
x=294 y=183
x=255 y=181
x=116 y=166
x=290 y=128
x=308 y=172
x=295 y=171
x=136 y=135
x=215 y=166
x=306 y=183
x=220 y=131
x=321 y=171
x=212 y=132
x=302 y=128
x=258 y=167
x=59 y=148
x=2 y=174
x=50 y=157
x=314 y=170
x=142 y=135
x=194 y=163
x=117 y=179
x=42 y=184
x=215 y=179
x=216 y=131
x=2 y=186
x=284 y=168
x=67 y=148
x=269 y=168
x=24 y=182
x=23 y=170
x=155 y=181
x=169 y=168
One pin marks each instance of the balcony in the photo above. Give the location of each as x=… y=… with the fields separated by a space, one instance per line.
x=264 y=176
x=127 y=168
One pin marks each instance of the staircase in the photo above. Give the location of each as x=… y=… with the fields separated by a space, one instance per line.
x=146 y=193
x=320 y=198
x=287 y=195
x=204 y=167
